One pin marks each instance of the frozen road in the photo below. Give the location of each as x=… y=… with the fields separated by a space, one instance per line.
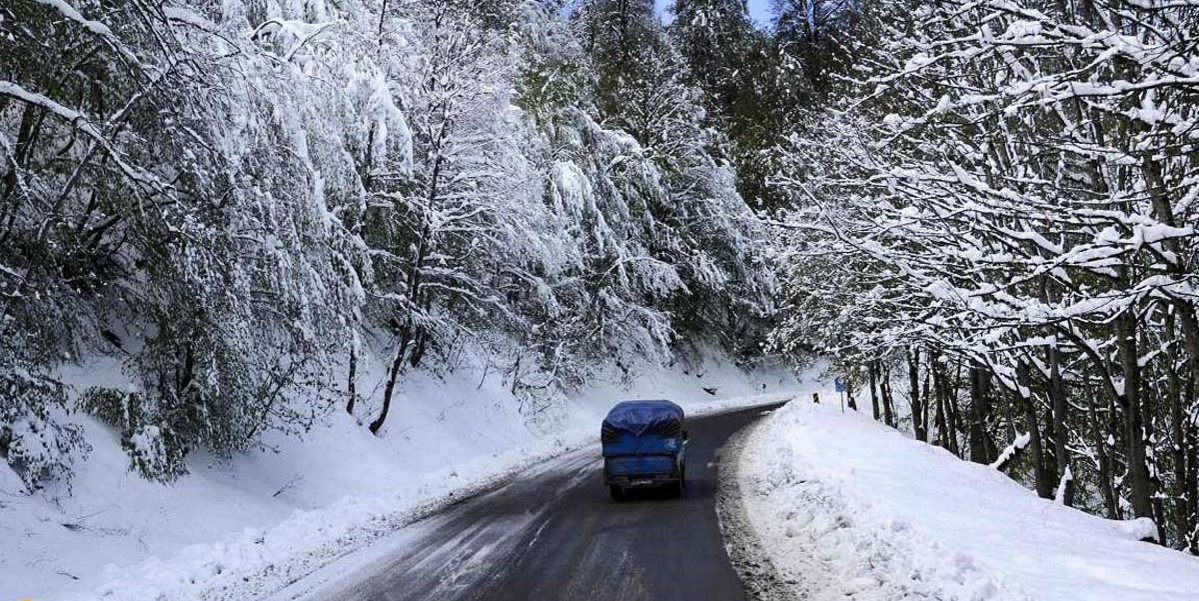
x=555 y=535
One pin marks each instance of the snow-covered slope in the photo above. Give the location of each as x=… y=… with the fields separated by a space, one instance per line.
x=268 y=516
x=849 y=509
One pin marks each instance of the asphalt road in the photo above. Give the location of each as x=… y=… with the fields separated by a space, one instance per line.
x=556 y=535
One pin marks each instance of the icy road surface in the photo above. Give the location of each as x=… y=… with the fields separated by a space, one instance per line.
x=555 y=535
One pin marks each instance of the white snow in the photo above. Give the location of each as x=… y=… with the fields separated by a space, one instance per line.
x=246 y=527
x=1010 y=451
x=73 y=14
x=849 y=509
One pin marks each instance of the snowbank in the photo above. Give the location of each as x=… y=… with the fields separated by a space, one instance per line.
x=849 y=509
x=236 y=530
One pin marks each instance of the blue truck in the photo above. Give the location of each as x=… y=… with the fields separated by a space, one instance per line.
x=644 y=445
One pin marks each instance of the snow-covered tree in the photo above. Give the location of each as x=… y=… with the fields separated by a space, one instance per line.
x=1008 y=195
x=237 y=200
x=453 y=240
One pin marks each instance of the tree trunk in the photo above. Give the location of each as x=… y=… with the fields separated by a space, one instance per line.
x=853 y=405
x=1099 y=435
x=980 y=408
x=952 y=413
x=1036 y=447
x=1189 y=324
x=926 y=397
x=1057 y=398
x=1141 y=493
x=939 y=391
x=397 y=364
x=872 y=370
x=918 y=423
x=1184 y=312
x=350 y=387
x=1192 y=474
x=888 y=398
x=26 y=134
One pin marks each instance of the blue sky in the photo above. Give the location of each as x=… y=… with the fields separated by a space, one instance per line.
x=759 y=10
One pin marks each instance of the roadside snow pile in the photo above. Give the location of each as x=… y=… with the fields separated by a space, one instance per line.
x=242 y=528
x=258 y=561
x=849 y=509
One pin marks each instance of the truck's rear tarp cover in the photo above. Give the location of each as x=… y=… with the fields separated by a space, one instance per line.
x=641 y=417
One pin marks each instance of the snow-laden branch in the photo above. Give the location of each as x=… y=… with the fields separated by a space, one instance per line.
x=1011 y=451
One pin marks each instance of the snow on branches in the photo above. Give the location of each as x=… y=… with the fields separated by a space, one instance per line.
x=1013 y=186
x=236 y=199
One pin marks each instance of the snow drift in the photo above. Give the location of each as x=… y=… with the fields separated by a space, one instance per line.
x=242 y=528
x=849 y=509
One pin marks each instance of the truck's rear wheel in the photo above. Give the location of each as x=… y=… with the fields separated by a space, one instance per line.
x=616 y=491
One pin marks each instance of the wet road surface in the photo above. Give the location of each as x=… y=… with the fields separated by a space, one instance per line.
x=555 y=534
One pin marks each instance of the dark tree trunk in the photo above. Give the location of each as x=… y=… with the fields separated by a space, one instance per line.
x=980 y=408
x=888 y=398
x=397 y=364
x=1099 y=435
x=1044 y=484
x=872 y=369
x=918 y=421
x=939 y=391
x=350 y=385
x=926 y=397
x=1057 y=398
x=1184 y=312
x=1036 y=448
x=1134 y=427
x=419 y=346
x=1192 y=473
x=1178 y=456
x=1187 y=452
x=31 y=118
x=952 y=413
x=853 y=405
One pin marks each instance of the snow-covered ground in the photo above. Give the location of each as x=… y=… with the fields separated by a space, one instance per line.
x=245 y=527
x=848 y=509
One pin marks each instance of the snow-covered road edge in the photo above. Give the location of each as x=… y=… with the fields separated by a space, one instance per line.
x=811 y=534
x=258 y=562
x=849 y=509
x=749 y=557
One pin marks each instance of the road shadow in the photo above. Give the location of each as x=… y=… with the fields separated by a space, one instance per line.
x=658 y=494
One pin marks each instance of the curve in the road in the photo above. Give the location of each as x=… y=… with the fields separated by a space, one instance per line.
x=557 y=536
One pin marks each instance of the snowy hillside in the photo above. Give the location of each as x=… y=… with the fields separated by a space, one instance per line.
x=849 y=509
x=274 y=514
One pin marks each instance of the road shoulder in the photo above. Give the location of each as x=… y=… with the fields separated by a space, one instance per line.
x=758 y=573
x=847 y=508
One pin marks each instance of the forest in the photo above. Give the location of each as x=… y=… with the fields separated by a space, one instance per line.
x=983 y=212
